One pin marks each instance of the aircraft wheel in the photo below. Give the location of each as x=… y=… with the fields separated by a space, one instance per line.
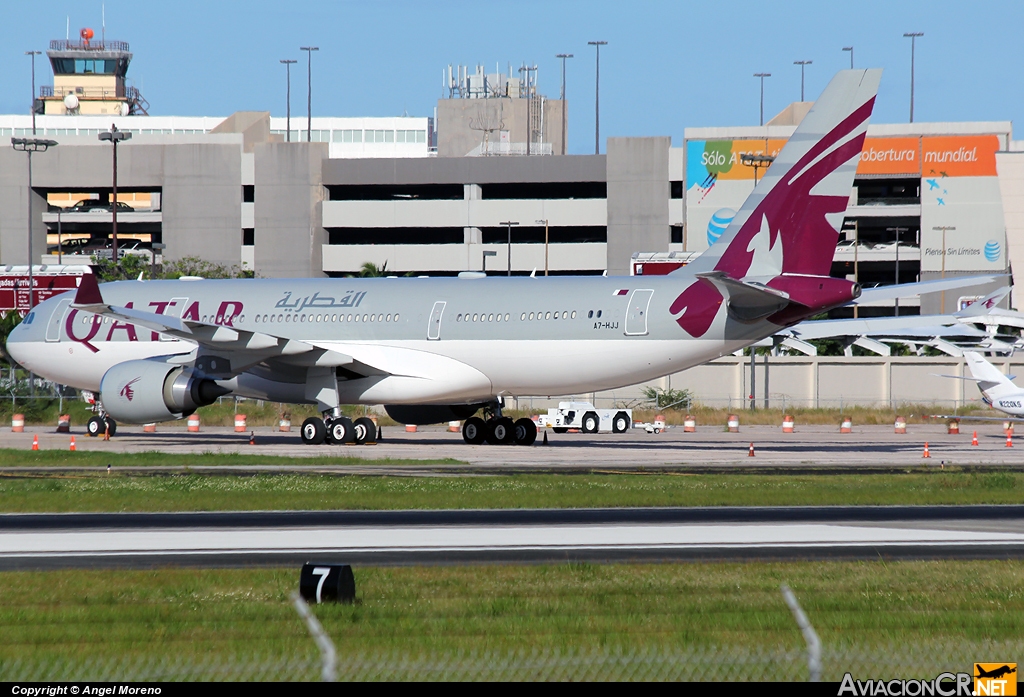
x=501 y=431
x=365 y=430
x=314 y=432
x=590 y=422
x=339 y=430
x=525 y=431
x=111 y=424
x=95 y=426
x=474 y=431
x=620 y=424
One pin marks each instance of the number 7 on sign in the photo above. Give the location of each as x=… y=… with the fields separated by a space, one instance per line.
x=323 y=572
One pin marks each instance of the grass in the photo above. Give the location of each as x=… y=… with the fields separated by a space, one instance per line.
x=191 y=492
x=209 y=614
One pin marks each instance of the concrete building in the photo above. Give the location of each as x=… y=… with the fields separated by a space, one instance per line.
x=374 y=190
x=498 y=114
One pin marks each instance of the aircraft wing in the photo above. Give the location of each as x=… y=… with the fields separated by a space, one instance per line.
x=906 y=290
x=242 y=348
x=913 y=326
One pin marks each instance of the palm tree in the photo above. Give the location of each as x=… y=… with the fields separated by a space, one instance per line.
x=371 y=270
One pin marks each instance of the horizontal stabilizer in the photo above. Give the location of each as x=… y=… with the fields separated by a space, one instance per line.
x=747 y=301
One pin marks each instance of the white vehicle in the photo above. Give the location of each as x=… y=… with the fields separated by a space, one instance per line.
x=586 y=417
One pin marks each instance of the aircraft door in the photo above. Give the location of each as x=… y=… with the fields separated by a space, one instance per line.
x=56 y=320
x=636 y=316
x=434 y=327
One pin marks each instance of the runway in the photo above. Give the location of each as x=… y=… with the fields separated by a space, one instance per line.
x=811 y=447
x=47 y=541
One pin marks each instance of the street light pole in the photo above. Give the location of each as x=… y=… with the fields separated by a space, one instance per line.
x=114 y=136
x=509 y=224
x=597 y=96
x=913 y=38
x=802 y=64
x=762 y=76
x=288 y=98
x=29 y=146
x=33 y=54
x=309 y=88
x=563 y=56
x=850 y=49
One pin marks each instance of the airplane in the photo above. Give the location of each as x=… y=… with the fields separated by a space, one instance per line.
x=995 y=672
x=997 y=390
x=951 y=334
x=438 y=349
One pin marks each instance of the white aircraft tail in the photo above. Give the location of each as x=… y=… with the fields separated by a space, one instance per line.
x=790 y=222
x=984 y=305
x=991 y=380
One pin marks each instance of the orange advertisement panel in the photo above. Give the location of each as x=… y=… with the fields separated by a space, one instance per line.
x=890 y=156
x=959 y=156
x=722 y=159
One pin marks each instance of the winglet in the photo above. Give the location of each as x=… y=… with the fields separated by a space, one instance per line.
x=89 y=291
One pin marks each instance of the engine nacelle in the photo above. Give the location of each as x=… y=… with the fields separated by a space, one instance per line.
x=147 y=391
x=430 y=413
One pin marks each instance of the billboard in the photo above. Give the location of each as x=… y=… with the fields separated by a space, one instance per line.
x=890 y=156
x=960 y=196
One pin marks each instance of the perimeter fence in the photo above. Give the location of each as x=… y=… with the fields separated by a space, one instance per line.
x=711 y=663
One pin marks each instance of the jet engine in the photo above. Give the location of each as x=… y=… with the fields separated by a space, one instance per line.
x=430 y=413
x=146 y=391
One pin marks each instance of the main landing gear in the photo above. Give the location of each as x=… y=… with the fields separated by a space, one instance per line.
x=100 y=424
x=337 y=429
x=498 y=429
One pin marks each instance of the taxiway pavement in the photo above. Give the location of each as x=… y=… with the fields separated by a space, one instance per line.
x=43 y=541
x=710 y=448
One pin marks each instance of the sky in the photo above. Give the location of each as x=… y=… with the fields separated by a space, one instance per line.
x=667 y=65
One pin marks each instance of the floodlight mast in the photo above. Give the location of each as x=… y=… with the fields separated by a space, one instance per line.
x=802 y=65
x=29 y=146
x=563 y=56
x=597 y=96
x=309 y=88
x=913 y=38
x=114 y=136
x=288 y=99
x=762 y=76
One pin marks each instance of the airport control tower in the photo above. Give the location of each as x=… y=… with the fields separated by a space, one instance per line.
x=89 y=78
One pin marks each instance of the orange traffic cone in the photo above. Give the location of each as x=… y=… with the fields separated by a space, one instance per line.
x=974 y=438
x=750 y=453
x=252 y=437
x=35 y=442
x=926 y=453
x=1009 y=439
x=106 y=431
x=72 y=444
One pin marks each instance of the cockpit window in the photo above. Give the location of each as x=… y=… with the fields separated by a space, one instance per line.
x=28 y=319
